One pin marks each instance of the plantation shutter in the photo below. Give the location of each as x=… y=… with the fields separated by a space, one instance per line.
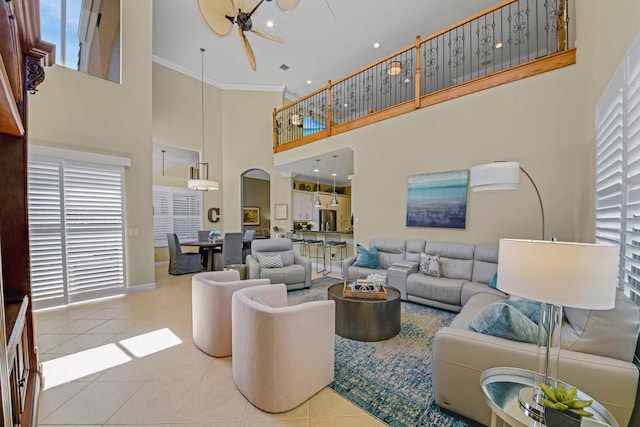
x=617 y=210
x=176 y=210
x=46 y=238
x=94 y=228
x=76 y=231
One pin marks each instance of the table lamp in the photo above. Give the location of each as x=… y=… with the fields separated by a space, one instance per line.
x=556 y=274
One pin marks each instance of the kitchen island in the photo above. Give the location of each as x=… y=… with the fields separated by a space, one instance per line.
x=345 y=236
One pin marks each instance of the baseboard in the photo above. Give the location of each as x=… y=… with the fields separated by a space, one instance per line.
x=161 y=263
x=141 y=288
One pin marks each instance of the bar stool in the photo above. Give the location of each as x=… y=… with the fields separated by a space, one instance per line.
x=311 y=240
x=296 y=239
x=337 y=250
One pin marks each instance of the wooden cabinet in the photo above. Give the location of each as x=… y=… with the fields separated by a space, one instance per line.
x=302 y=206
x=22 y=55
x=344 y=213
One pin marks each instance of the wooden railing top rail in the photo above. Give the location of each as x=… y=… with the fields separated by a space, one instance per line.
x=469 y=19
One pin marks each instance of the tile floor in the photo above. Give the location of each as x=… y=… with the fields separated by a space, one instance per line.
x=131 y=361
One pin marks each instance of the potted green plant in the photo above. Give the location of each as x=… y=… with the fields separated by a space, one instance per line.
x=562 y=408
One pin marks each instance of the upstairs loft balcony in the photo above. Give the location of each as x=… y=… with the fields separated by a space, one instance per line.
x=510 y=41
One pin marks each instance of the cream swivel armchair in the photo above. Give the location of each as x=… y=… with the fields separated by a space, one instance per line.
x=282 y=355
x=291 y=269
x=211 y=309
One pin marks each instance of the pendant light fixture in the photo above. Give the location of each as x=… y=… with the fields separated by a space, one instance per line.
x=334 y=199
x=200 y=173
x=316 y=201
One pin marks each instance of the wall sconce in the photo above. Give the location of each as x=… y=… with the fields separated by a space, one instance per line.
x=394 y=68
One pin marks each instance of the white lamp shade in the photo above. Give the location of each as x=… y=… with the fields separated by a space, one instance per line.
x=579 y=275
x=495 y=176
x=203 y=184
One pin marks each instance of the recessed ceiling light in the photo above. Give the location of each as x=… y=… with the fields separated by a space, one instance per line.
x=316 y=170
x=376 y=45
x=284 y=67
x=309 y=82
x=498 y=45
x=346 y=105
x=269 y=23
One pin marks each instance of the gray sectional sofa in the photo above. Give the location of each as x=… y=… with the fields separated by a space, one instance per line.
x=466 y=270
x=596 y=348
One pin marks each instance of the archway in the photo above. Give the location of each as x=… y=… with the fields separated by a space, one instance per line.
x=256 y=202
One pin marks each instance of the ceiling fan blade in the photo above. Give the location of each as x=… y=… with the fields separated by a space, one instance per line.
x=215 y=14
x=246 y=5
x=247 y=49
x=287 y=4
x=264 y=35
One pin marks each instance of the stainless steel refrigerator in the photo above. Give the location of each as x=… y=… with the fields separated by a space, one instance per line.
x=327 y=220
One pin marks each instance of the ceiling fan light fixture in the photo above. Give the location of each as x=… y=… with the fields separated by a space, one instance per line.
x=394 y=68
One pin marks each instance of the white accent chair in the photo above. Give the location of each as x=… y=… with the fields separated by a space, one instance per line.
x=282 y=355
x=211 y=309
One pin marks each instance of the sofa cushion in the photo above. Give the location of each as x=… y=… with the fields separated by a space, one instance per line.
x=367 y=258
x=473 y=288
x=435 y=288
x=430 y=265
x=456 y=268
x=413 y=250
x=503 y=320
x=289 y=275
x=356 y=272
x=610 y=333
x=485 y=263
x=390 y=251
x=469 y=310
x=450 y=250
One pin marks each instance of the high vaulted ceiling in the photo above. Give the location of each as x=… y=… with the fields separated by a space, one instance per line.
x=322 y=39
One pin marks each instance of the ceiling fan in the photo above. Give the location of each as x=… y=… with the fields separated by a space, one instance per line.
x=221 y=15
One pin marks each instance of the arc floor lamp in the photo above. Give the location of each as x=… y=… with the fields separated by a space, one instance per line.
x=501 y=175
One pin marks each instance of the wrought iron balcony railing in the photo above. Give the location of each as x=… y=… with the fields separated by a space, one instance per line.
x=513 y=40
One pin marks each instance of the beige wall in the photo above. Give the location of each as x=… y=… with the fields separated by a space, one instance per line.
x=77 y=111
x=544 y=122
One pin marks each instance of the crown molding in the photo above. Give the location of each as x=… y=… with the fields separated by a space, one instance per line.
x=219 y=85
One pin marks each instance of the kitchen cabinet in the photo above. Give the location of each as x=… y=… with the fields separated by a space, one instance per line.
x=344 y=212
x=302 y=206
x=22 y=54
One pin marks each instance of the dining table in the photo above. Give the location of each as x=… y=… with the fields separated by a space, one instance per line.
x=211 y=247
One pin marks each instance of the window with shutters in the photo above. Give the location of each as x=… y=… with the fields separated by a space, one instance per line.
x=176 y=210
x=76 y=230
x=617 y=209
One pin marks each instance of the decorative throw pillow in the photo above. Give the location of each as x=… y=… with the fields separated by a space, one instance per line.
x=270 y=261
x=505 y=321
x=529 y=308
x=494 y=281
x=367 y=258
x=430 y=265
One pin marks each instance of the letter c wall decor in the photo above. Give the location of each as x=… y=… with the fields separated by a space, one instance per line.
x=217 y=213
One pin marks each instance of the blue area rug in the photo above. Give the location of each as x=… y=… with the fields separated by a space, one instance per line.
x=389 y=379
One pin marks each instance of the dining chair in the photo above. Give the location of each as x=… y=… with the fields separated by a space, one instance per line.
x=249 y=236
x=179 y=262
x=205 y=253
x=231 y=251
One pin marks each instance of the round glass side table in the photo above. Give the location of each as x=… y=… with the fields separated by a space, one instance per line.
x=501 y=387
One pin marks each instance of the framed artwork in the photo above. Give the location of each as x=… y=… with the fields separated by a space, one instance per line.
x=281 y=211
x=437 y=199
x=250 y=216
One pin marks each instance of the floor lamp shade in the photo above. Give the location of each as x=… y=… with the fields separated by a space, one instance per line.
x=579 y=275
x=495 y=176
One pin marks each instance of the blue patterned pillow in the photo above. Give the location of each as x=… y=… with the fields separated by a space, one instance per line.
x=367 y=258
x=430 y=265
x=270 y=261
x=505 y=321
x=529 y=308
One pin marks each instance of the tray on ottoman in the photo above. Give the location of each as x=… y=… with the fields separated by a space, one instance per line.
x=366 y=292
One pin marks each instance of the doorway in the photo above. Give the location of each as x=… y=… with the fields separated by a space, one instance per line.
x=256 y=202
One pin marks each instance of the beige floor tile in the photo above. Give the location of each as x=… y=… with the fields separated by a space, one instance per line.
x=135 y=370
x=300 y=412
x=46 y=342
x=53 y=398
x=276 y=423
x=215 y=400
x=95 y=405
x=81 y=343
x=154 y=403
x=113 y=326
x=104 y=313
x=358 y=421
x=328 y=403
x=77 y=326
x=43 y=326
x=222 y=424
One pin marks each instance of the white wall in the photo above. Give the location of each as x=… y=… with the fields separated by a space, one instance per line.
x=545 y=122
x=77 y=111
